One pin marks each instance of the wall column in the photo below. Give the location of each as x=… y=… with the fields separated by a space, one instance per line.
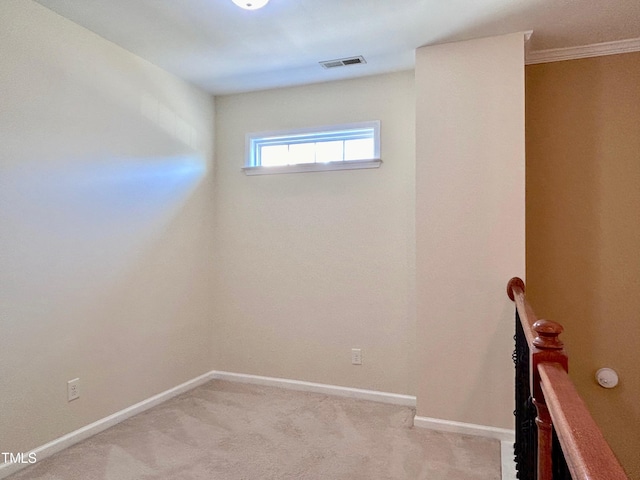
x=470 y=225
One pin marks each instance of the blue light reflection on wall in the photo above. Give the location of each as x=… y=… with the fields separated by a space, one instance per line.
x=68 y=225
x=99 y=193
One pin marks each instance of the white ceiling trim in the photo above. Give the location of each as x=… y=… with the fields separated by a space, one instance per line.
x=585 y=51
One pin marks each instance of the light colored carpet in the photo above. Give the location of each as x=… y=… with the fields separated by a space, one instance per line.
x=232 y=431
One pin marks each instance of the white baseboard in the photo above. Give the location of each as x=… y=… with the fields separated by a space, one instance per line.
x=506 y=436
x=465 y=428
x=357 y=393
x=508 y=466
x=87 y=431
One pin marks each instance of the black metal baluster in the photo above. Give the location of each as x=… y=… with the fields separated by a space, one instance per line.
x=525 y=413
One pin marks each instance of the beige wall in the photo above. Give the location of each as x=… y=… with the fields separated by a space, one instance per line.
x=313 y=264
x=583 y=233
x=105 y=186
x=469 y=225
x=110 y=214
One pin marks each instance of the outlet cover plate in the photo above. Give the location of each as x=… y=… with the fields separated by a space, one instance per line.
x=73 y=389
x=356 y=356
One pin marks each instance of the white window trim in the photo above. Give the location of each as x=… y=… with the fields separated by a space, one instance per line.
x=313 y=167
x=250 y=169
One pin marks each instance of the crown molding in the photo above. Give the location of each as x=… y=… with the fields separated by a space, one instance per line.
x=585 y=51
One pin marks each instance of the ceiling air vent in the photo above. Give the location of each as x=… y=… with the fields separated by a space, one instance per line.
x=343 y=62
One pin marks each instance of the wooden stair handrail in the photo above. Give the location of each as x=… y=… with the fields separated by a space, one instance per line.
x=587 y=453
x=515 y=291
x=558 y=404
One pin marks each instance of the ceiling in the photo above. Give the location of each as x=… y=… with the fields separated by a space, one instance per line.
x=224 y=49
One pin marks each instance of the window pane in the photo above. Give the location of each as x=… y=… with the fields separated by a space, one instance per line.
x=321 y=145
x=302 y=153
x=358 y=149
x=329 y=151
x=274 y=155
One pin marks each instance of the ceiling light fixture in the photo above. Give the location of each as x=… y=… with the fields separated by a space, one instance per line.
x=251 y=4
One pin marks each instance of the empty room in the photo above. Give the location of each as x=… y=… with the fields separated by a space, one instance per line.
x=284 y=239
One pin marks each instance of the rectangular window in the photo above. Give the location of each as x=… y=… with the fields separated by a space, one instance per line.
x=338 y=147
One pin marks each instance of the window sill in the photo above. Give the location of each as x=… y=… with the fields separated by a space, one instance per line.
x=313 y=167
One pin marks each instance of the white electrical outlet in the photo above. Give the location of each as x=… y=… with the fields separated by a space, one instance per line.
x=73 y=389
x=356 y=356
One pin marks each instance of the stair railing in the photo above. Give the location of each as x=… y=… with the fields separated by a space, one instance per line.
x=556 y=437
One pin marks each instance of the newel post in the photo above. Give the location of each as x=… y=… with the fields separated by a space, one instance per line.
x=548 y=348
